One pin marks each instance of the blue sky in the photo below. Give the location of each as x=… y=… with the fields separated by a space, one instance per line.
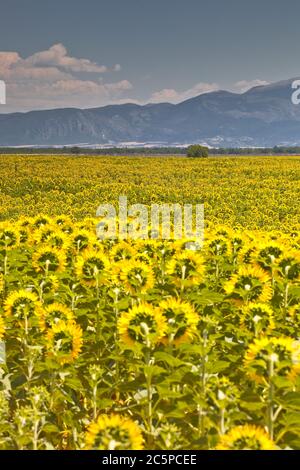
x=95 y=52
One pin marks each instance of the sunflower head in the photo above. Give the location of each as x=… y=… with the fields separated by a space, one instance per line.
x=48 y=260
x=9 y=237
x=268 y=253
x=238 y=241
x=42 y=234
x=251 y=283
x=218 y=246
x=142 y=325
x=24 y=235
x=54 y=313
x=50 y=284
x=63 y=220
x=59 y=239
x=122 y=251
x=148 y=247
x=64 y=341
x=41 y=220
x=92 y=268
x=136 y=277
x=113 y=433
x=257 y=318
x=269 y=357
x=289 y=265
x=186 y=269
x=181 y=321
x=82 y=239
x=246 y=437
x=22 y=305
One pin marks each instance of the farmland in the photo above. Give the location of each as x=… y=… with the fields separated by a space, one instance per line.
x=131 y=344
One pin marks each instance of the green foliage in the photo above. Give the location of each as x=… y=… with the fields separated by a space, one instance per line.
x=181 y=395
x=197 y=151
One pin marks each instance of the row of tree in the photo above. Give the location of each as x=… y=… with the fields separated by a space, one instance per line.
x=191 y=151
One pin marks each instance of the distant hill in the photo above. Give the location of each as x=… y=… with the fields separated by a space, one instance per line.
x=263 y=116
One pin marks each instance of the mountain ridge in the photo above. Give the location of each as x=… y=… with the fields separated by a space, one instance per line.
x=261 y=116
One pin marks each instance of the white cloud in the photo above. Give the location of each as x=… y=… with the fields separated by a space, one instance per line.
x=57 y=56
x=173 y=96
x=245 y=85
x=53 y=78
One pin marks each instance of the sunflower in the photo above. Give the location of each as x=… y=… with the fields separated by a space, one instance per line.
x=64 y=341
x=148 y=247
x=81 y=240
x=43 y=233
x=41 y=220
x=92 y=267
x=25 y=222
x=122 y=251
x=53 y=313
x=48 y=260
x=247 y=254
x=50 y=284
x=218 y=246
x=283 y=354
x=22 y=305
x=181 y=320
x=289 y=265
x=113 y=433
x=9 y=237
x=143 y=258
x=65 y=224
x=142 y=324
x=168 y=249
x=238 y=242
x=59 y=239
x=257 y=317
x=186 y=269
x=250 y=282
x=246 y=437
x=268 y=253
x=136 y=277
x=63 y=220
x=24 y=235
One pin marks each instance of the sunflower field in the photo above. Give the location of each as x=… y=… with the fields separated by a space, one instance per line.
x=149 y=344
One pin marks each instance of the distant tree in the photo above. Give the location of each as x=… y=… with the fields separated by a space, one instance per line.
x=75 y=150
x=198 y=151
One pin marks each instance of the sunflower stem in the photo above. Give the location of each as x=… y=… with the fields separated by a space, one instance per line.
x=271 y=400
x=116 y=310
x=203 y=386
x=286 y=297
x=148 y=376
x=222 y=422
x=5 y=264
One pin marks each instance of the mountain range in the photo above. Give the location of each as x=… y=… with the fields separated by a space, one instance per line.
x=262 y=116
